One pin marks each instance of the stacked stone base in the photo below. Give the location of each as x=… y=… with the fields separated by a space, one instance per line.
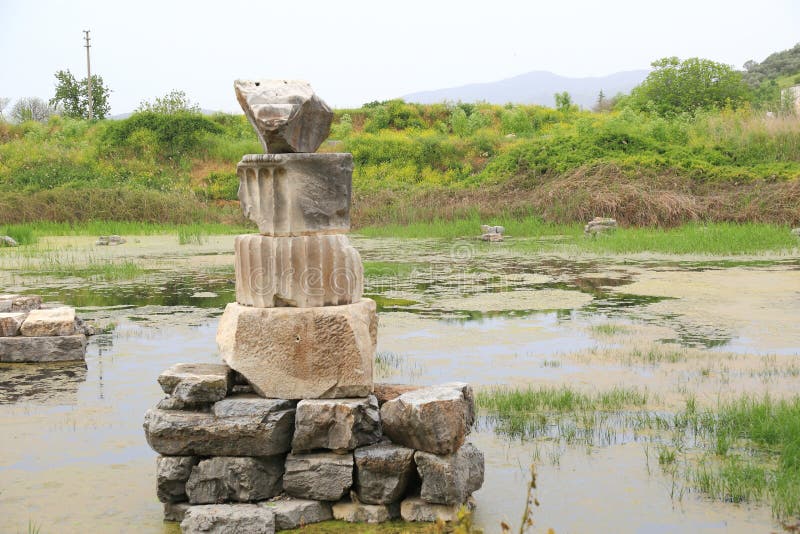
x=30 y=333
x=232 y=461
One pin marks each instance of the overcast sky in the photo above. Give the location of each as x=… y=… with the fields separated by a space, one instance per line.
x=356 y=52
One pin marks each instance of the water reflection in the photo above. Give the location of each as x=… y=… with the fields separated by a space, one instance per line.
x=49 y=383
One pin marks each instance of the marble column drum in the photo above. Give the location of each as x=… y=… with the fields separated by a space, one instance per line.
x=296 y=194
x=303 y=272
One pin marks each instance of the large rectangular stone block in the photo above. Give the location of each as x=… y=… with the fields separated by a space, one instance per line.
x=228 y=518
x=321 y=476
x=296 y=194
x=305 y=271
x=264 y=431
x=302 y=353
x=43 y=349
x=451 y=478
x=237 y=479
x=49 y=322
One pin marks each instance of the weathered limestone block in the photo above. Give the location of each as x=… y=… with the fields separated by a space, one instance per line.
x=434 y=419
x=228 y=518
x=336 y=424
x=383 y=472
x=250 y=405
x=265 y=432
x=356 y=512
x=49 y=322
x=386 y=392
x=296 y=194
x=600 y=225
x=172 y=472
x=307 y=271
x=238 y=479
x=175 y=511
x=294 y=513
x=196 y=383
x=469 y=397
x=286 y=114
x=19 y=303
x=450 y=479
x=10 y=323
x=322 y=352
x=415 y=509
x=322 y=476
x=43 y=349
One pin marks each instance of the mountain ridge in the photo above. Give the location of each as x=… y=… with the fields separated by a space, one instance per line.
x=535 y=87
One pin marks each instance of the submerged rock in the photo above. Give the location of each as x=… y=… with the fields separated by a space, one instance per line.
x=8 y=241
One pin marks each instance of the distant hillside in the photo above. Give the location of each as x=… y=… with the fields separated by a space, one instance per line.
x=775 y=66
x=537 y=87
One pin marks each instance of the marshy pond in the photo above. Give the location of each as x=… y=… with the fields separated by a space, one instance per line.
x=620 y=378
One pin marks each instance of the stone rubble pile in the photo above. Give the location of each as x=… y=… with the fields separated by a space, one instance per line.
x=290 y=429
x=32 y=333
x=600 y=225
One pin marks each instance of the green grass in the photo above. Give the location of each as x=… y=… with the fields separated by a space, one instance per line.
x=192 y=234
x=34 y=231
x=562 y=399
x=727 y=239
x=375 y=269
x=608 y=329
x=340 y=527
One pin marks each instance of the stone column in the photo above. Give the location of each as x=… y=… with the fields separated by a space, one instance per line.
x=299 y=328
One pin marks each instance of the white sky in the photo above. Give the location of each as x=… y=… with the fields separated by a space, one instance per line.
x=358 y=51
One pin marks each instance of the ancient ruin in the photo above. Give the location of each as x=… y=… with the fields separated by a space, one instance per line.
x=33 y=332
x=290 y=429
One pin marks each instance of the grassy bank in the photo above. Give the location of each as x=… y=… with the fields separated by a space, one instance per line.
x=421 y=163
x=694 y=238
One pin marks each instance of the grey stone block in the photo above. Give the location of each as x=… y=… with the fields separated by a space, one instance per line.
x=383 y=472
x=43 y=349
x=434 y=419
x=265 y=433
x=175 y=511
x=172 y=472
x=415 y=509
x=196 y=383
x=10 y=323
x=450 y=479
x=336 y=424
x=238 y=479
x=228 y=519
x=324 y=476
x=356 y=512
x=294 y=513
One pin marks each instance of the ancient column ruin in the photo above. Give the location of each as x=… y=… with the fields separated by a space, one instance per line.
x=290 y=429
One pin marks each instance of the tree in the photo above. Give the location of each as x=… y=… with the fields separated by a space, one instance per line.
x=31 y=109
x=3 y=104
x=563 y=102
x=73 y=96
x=694 y=84
x=173 y=102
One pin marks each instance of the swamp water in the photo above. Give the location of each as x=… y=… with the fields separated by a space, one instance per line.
x=74 y=455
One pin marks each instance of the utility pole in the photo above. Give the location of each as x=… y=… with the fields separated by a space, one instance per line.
x=88 y=73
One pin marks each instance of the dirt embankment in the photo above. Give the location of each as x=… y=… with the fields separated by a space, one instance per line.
x=648 y=199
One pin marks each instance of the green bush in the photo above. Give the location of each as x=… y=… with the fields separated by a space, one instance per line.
x=174 y=135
